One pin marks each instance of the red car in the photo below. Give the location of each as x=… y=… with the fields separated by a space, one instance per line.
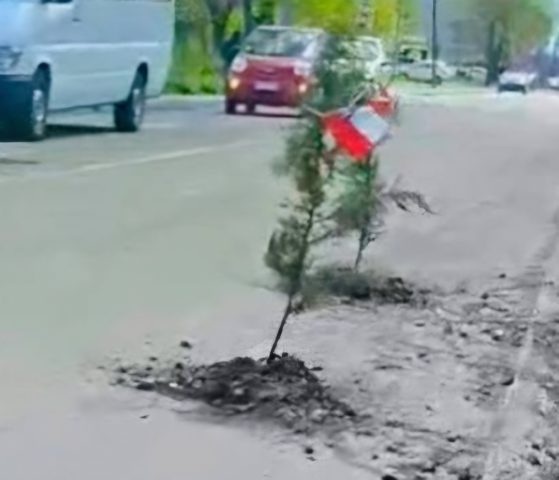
x=275 y=68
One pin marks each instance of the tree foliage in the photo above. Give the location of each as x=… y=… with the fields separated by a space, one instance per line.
x=289 y=249
x=337 y=16
x=383 y=18
x=513 y=27
x=393 y=18
x=306 y=221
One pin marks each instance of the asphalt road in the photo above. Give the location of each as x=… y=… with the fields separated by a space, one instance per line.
x=122 y=245
x=110 y=239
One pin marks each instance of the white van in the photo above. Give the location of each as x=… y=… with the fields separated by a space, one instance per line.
x=65 y=54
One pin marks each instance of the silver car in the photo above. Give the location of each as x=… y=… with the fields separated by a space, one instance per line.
x=553 y=82
x=517 y=80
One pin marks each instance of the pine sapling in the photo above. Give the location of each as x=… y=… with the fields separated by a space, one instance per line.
x=306 y=163
x=300 y=228
x=365 y=201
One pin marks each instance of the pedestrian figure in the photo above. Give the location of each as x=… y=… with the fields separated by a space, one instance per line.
x=231 y=48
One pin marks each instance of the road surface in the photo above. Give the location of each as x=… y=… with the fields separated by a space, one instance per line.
x=122 y=245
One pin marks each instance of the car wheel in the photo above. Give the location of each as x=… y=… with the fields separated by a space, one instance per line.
x=129 y=115
x=230 y=107
x=250 y=108
x=29 y=121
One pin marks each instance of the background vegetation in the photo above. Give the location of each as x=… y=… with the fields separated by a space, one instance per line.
x=502 y=29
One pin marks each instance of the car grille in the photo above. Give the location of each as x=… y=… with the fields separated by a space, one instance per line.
x=266 y=73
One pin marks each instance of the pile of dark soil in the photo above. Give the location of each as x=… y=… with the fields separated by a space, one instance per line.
x=365 y=286
x=285 y=391
x=394 y=290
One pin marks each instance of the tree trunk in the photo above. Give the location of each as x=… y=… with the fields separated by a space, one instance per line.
x=279 y=334
x=285 y=12
x=248 y=17
x=295 y=287
x=219 y=28
x=493 y=55
x=364 y=236
x=397 y=42
x=365 y=231
x=434 y=42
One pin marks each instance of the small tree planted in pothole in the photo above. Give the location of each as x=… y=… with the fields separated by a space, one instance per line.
x=299 y=229
x=341 y=109
x=364 y=202
x=308 y=163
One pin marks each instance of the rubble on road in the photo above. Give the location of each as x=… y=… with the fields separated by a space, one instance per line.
x=425 y=382
x=284 y=390
x=350 y=285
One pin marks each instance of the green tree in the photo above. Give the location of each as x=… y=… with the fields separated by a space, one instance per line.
x=265 y=12
x=393 y=17
x=284 y=12
x=512 y=27
x=336 y=16
x=364 y=201
x=290 y=246
x=385 y=17
x=306 y=221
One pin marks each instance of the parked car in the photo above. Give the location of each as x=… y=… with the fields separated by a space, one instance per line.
x=518 y=80
x=391 y=68
x=473 y=73
x=422 y=71
x=275 y=67
x=64 y=54
x=373 y=54
x=364 y=53
x=553 y=82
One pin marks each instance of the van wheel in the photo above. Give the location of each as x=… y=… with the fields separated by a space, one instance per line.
x=129 y=115
x=30 y=119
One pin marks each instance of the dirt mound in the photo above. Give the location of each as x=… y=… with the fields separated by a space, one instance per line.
x=286 y=390
x=394 y=290
x=349 y=284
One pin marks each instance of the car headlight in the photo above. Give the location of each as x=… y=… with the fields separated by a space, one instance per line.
x=9 y=57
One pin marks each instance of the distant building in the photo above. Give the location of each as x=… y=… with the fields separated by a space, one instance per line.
x=461 y=37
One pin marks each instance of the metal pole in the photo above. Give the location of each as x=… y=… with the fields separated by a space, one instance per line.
x=434 y=42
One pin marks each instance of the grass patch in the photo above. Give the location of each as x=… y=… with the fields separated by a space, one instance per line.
x=193 y=70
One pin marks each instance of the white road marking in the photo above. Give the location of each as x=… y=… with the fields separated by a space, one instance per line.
x=156 y=158
x=162 y=126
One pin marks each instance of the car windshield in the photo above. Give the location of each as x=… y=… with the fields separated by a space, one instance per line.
x=525 y=65
x=521 y=69
x=281 y=43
